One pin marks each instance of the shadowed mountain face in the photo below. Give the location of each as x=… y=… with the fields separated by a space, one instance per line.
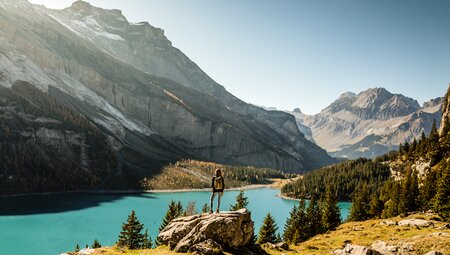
x=146 y=97
x=370 y=123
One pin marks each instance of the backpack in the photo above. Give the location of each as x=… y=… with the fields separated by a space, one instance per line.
x=218 y=183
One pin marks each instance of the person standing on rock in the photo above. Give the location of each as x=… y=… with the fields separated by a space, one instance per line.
x=218 y=185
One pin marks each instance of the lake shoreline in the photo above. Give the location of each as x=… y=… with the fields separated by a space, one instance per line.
x=246 y=187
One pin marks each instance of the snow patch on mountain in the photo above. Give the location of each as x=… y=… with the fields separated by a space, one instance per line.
x=86 y=26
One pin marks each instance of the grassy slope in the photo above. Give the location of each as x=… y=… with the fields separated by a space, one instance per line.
x=423 y=240
x=192 y=174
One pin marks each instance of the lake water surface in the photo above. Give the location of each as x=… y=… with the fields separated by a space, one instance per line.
x=52 y=224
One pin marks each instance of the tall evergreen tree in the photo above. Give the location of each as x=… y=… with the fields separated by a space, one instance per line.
x=131 y=235
x=241 y=201
x=359 y=209
x=442 y=198
x=428 y=190
x=296 y=227
x=376 y=206
x=268 y=231
x=393 y=200
x=96 y=244
x=314 y=217
x=289 y=226
x=331 y=215
x=147 y=243
x=174 y=211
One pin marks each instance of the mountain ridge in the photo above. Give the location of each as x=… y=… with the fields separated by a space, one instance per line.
x=370 y=123
x=151 y=120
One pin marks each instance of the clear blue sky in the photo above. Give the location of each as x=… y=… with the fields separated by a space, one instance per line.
x=289 y=53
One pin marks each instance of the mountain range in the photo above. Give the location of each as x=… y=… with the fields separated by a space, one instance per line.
x=146 y=102
x=370 y=123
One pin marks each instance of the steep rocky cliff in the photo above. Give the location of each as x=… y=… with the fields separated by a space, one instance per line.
x=445 y=111
x=147 y=97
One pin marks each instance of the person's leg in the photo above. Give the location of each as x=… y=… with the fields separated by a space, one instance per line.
x=212 y=201
x=218 y=200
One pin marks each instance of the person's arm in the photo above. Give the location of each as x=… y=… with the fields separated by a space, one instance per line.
x=212 y=183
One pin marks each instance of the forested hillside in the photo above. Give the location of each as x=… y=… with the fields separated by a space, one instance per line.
x=416 y=177
x=46 y=146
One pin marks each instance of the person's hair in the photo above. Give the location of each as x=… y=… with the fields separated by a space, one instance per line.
x=218 y=172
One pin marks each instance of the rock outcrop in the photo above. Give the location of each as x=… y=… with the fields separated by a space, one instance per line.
x=228 y=230
x=445 y=110
x=370 y=123
x=415 y=223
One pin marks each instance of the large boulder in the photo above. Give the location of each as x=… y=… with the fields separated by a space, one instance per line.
x=228 y=229
x=415 y=223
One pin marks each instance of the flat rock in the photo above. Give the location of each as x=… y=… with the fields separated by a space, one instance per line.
x=415 y=223
x=383 y=248
x=351 y=249
x=434 y=253
x=388 y=223
x=228 y=229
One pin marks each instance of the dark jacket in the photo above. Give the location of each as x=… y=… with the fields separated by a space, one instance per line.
x=213 y=187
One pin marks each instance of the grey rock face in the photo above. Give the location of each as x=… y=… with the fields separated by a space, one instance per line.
x=144 y=92
x=369 y=124
x=228 y=229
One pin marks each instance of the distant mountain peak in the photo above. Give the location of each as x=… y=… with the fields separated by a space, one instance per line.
x=374 y=103
x=297 y=110
x=347 y=94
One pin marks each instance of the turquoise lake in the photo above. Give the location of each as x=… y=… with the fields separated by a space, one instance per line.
x=52 y=224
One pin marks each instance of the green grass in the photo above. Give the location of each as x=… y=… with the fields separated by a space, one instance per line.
x=423 y=240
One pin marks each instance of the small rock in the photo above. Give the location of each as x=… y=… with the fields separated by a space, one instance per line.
x=440 y=234
x=282 y=245
x=388 y=223
x=415 y=222
x=445 y=226
x=434 y=253
x=358 y=228
x=208 y=247
x=86 y=251
x=383 y=248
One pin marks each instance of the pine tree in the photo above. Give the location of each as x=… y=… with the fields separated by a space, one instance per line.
x=392 y=204
x=331 y=215
x=290 y=227
x=376 y=206
x=428 y=190
x=314 y=217
x=241 y=201
x=268 y=230
x=360 y=205
x=131 y=235
x=77 y=248
x=147 y=243
x=96 y=244
x=178 y=209
x=442 y=198
x=205 y=208
x=174 y=211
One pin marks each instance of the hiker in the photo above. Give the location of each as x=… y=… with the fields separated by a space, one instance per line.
x=217 y=185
